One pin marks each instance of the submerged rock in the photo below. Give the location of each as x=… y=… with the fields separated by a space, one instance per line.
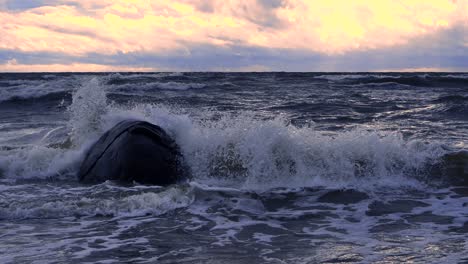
x=133 y=151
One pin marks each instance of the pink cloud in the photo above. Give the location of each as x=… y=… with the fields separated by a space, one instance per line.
x=329 y=27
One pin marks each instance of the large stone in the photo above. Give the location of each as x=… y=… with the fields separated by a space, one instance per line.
x=133 y=151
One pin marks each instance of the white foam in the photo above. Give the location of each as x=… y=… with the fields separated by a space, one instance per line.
x=62 y=202
x=39 y=162
x=88 y=106
x=265 y=154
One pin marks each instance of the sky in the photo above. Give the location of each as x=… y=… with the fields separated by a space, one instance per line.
x=233 y=35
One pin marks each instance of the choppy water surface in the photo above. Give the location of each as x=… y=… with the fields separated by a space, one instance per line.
x=285 y=168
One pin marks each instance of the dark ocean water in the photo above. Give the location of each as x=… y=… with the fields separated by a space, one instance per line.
x=284 y=168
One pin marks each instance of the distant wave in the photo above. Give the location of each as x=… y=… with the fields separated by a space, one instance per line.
x=47 y=89
x=128 y=78
x=178 y=85
x=418 y=80
x=146 y=88
x=43 y=96
x=27 y=90
x=163 y=81
x=132 y=76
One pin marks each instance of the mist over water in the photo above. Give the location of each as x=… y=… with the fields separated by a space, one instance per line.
x=343 y=167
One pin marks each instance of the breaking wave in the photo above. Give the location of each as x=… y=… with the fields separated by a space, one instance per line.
x=239 y=150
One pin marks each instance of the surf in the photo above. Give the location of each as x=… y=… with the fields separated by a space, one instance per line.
x=240 y=150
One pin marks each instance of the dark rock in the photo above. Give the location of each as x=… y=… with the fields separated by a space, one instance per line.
x=133 y=151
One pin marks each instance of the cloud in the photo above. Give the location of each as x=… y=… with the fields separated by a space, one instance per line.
x=330 y=27
x=439 y=51
x=20 y=5
x=232 y=34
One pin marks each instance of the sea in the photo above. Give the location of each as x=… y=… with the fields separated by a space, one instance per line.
x=282 y=168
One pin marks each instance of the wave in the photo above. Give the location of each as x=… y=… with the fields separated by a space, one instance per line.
x=132 y=76
x=178 y=85
x=417 y=80
x=146 y=89
x=151 y=88
x=44 y=90
x=127 y=78
x=100 y=200
x=451 y=99
x=239 y=151
x=145 y=82
x=42 y=96
x=455 y=106
x=23 y=90
x=340 y=77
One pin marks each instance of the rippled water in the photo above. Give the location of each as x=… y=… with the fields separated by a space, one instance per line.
x=285 y=168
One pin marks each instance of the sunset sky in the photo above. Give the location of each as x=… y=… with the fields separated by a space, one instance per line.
x=230 y=35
